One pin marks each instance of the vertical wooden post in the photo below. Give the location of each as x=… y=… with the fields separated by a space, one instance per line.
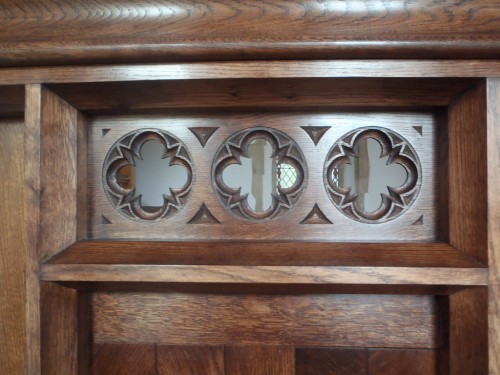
x=493 y=92
x=53 y=222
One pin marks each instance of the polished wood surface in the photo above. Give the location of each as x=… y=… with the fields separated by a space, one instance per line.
x=12 y=257
x=286 y=297
x=124 y=359
x=190 y=360
x=468 y=204
x=399 y=362
x=70 y=32
x=260 y=253
x=468 y=332
x=241 y=94
x=330 y=361
x=254 y=70
x=236 y=319
x=260 y=360
x=493 y=91
x=32 y=221
x=56 y=316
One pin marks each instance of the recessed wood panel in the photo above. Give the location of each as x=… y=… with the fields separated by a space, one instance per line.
x=331 y=361
x=229 y=94
x=314 y=320
x=260 y=360
x=402 y=362
x=417 y=223
x=468 y=202
x=124 y=359
x=190 y=360
x=12 y=256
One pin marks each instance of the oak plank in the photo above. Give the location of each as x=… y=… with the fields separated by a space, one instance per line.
x=260 y=360
x=12 y=255
x=253 y=69
x=248 y=319
x=60 y=337
x=468 y=332
x=190 y=360
x=312 y=93
x=398 y=362
x=331 y=361
x=264 y=254
x=59 y=175
x=468 y=203
x=124 y=359
x=32 y=222
x=494 y=223
x=266 y=274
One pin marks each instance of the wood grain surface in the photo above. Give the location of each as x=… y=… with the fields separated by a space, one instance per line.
x=494 y=223
x=244 y=94
x=69 y=32
x=190 y=360
x=402 y=276
x=331 y=361
x=399 y=362
x=468 y=332
x=59 y=170
x=235 y=319
x=124 y=359
x=12 y=255
x=260 y=253
x=254 y=69
x=32 y=223
x=468 y=201
x=260 y=360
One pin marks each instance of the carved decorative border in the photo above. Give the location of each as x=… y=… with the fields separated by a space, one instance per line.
x=123 y=153
x=398 y=150
x=286 y=151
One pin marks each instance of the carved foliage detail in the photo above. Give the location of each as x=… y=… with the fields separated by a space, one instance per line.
x=398 y=150
x=284 y=151
x=124 y=153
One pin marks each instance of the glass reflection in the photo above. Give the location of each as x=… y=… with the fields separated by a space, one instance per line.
x=369 y=175
x=259 y=175
x=152 y=176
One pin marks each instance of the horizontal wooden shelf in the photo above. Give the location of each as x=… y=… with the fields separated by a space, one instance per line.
x=432 y=264
x=264 y=274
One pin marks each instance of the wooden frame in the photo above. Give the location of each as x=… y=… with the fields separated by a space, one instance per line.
x=456 y=268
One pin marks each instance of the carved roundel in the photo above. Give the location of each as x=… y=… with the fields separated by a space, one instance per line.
x=126 y=152
x=395 y=149
x=284 y=155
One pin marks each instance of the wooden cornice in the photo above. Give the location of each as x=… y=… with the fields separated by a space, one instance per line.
x=49 y=32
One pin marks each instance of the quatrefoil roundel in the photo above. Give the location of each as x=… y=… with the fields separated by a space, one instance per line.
x=394 y=150
x=287 y=174
x=127 y=152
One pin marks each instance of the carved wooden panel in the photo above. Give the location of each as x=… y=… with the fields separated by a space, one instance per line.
x=206 y=209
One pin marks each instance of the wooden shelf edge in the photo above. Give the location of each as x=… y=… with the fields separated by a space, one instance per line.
x=264 y=274
x=253 y=69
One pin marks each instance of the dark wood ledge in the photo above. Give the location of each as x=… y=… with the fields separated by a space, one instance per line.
x=47 y=32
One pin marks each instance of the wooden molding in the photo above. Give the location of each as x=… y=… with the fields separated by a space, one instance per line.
x=51 y=33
